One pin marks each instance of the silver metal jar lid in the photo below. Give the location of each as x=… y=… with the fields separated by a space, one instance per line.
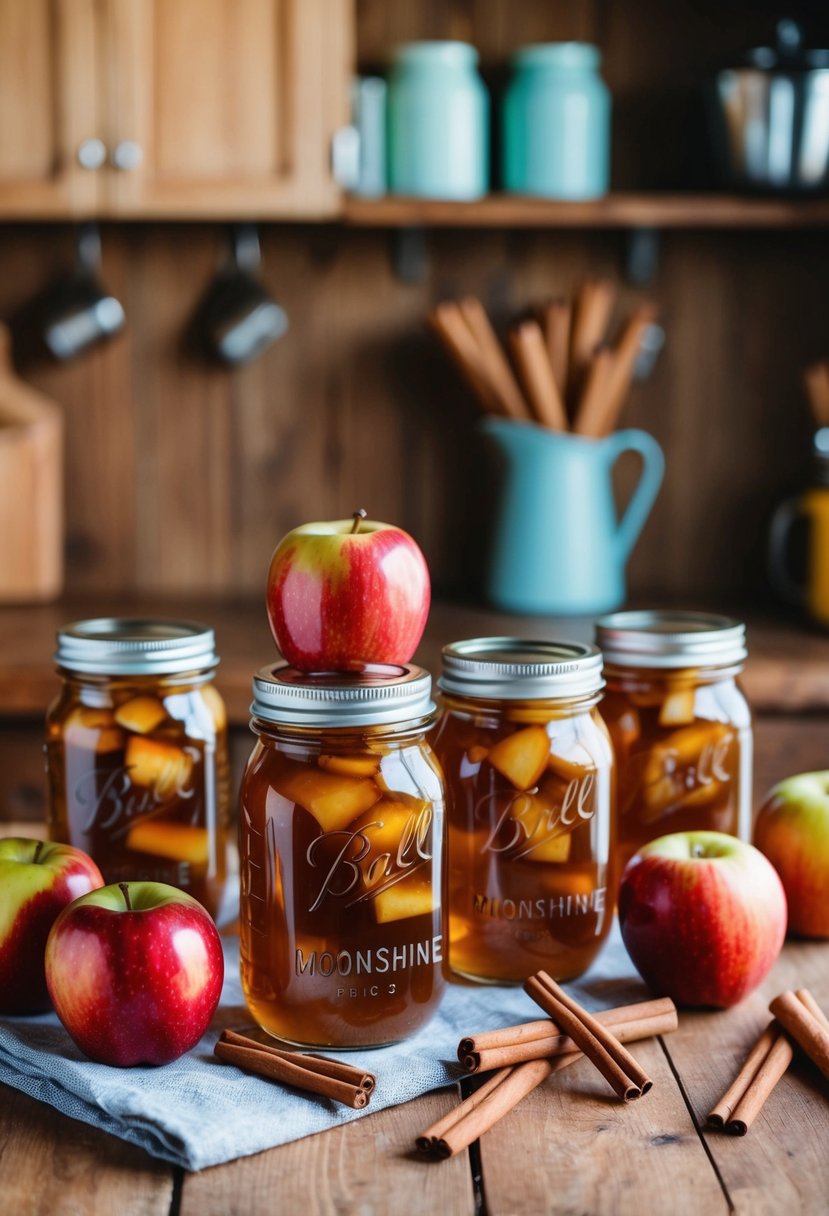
x=119 y=646
x=513 y=669
x=670 y=639
x=373 y=696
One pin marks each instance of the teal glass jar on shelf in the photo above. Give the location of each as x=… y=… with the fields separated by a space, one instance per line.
x=556 y=123
x=438 y=122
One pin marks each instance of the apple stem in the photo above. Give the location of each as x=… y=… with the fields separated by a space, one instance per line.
x=125 y=891
x=38 y=851
x=358 y=517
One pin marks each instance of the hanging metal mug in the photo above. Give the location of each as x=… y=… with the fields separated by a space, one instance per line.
x=238 y=319
x=78 y=311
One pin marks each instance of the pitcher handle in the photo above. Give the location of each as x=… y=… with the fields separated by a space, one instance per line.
x=781 y=525
x=642 y=498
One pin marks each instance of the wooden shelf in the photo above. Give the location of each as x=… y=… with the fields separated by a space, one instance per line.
x=614 y=211
x=787 y=671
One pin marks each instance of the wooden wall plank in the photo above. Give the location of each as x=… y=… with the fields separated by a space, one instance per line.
x=181 y=477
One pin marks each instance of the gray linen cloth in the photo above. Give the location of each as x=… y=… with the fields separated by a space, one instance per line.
x=198 y=1112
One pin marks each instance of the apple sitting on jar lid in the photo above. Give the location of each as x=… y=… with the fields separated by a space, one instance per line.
x=347 y=592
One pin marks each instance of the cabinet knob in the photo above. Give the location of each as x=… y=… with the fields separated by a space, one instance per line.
x=127 y=156
x=92 y=153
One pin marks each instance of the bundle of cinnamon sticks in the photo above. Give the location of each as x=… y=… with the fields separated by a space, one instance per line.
x=564 y=375
x=526 y=1055
x=313 y=1074
x=798 y=1018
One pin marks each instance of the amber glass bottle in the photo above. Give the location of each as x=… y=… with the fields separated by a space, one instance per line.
x=136 y=742
x=341 y=853
x=680 y=725
x=529 y=781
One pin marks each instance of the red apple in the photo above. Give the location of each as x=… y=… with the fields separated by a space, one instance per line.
x=135 y=972
x=347 y=592
x=792 y=829
x=703 y=916
x=37 y=880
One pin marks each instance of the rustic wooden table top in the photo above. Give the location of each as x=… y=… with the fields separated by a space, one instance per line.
x=569 y=1147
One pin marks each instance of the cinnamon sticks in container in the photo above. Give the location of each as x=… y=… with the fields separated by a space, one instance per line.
x=564 y=374
x=314 y=1074
x=530 y=1053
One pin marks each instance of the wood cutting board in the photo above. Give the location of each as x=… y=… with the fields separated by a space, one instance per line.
x=31 y=488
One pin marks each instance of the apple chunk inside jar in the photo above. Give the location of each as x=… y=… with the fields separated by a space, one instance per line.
x=158 y=766
x=522 y=756
x=174 y=841
x=399 y=836
x=333 y=799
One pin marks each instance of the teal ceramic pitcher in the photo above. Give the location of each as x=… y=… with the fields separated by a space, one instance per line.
x=557 y=545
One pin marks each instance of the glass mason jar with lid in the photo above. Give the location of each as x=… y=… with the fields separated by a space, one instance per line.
x=680 y=724
x=438 y=122
x=136 y=743
x=529 y=783
x=341 y=853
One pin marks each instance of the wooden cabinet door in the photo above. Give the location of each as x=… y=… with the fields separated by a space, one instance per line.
x=224 y=108
x=48 y=108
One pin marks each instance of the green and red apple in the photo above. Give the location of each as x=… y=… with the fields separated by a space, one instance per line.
x=38 y=879
x=792 y=829
x=135 y=972
x=347 y=592
x=703 y=917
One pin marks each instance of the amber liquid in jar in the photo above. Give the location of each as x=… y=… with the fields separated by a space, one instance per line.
x=680 y=725
x=683 y=753
x=530 y=860
x=341 y=847
x=139 y=776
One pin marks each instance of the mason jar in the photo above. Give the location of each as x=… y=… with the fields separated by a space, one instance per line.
x=556 y=123
x=680 y=724
x=529 y=783
x=341 y=855
x=137 y=761
x=438 y=122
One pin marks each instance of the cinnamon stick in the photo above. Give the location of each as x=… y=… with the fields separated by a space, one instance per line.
x=808 y=1030
x=816 y=383
x=593 y=411
x=535 y=372
x=318 y=1064
x=625 y=355
x=302 y=1072
x=556 y=318
x=506 y=1087
x=613 y=1061
x=534 y=1040
x=494 y=360
x=478 y=1113
x=450 y=327
x=805 y=997
x=763 y=1068
x=591 y=313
